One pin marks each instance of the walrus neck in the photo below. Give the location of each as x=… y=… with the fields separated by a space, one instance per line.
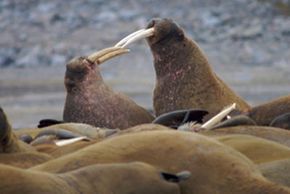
x=173 y=62
x=93 y=80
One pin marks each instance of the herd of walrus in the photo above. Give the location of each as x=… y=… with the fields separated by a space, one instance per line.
x=202 y=139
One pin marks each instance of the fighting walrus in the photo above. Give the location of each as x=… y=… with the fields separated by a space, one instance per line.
x=89 y=100
x=184 y=78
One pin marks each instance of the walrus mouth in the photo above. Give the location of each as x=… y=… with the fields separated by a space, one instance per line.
x=106 y=54
x=135 y=36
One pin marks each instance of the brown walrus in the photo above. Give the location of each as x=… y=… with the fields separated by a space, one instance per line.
x=119 y=178
x=15 y=152
x=9 y=143
x=89 y=100
x=184 y=77
x=265 y=113
x=215 y=167
x=282 y=121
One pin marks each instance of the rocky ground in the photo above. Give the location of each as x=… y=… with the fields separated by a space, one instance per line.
x=247 y=42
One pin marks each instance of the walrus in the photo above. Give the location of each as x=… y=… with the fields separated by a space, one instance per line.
x=135 y=177
x=184 y=77
x=64 y=129
x=15 y=152
x=259 y=150
x=281 y=121
x=270 y=133
x=8 y=141
x=214 y=167
x=265 y=113
x=277 y=171
x=89 y=100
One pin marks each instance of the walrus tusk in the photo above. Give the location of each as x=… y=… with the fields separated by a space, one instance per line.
x=217 y=118
x=70 y=141
x=138 y=35
x=107 y=53
x=124 y=40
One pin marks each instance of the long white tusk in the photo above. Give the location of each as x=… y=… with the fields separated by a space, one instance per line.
x=141 y=35
x=124 y=40
x=107 y=53
x=70 y=141
x=216 y=119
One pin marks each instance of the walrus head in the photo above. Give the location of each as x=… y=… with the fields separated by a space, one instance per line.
x=165 y=31
x=8 y=141
x=85 y=70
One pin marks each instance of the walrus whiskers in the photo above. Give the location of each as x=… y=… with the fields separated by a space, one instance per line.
x=106 y=54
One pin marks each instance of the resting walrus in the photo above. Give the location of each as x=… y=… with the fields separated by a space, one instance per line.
x=120 y=178
x=15 y=152
x=89 y=100
x=265 y=113
x=215 y=168
x=184 y=78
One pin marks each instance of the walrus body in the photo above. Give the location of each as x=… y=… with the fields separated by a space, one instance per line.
x=135 y=177
x=265 y=113
x=277 y=171
x=257 y=149
x=270 y=133
x=215 y=168
x=15 y=152
x=184 y=78
x=89 y=100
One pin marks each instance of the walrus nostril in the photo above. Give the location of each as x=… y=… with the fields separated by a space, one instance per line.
x=154 y=22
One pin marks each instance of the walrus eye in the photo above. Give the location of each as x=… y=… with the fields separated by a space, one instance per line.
x=175 y=178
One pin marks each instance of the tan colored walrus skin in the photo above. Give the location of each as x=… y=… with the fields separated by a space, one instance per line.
x=277 y=171
x=215 y=167
x=15 y=152
x=184 y=77
x=257 y=149
x=89 y=100
x=138 y=178
x=265 y=113
x=270 y=133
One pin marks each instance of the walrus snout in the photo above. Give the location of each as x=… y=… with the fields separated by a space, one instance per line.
x=164 y=29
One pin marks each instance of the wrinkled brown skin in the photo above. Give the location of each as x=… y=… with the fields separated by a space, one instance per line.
x=214 y=167
x=257 y=149
x=15 y=152
x=127 y=178
x=270 y=133
x=184 y=78
x=265 y=113
x=89 y=100
x=277 y=171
